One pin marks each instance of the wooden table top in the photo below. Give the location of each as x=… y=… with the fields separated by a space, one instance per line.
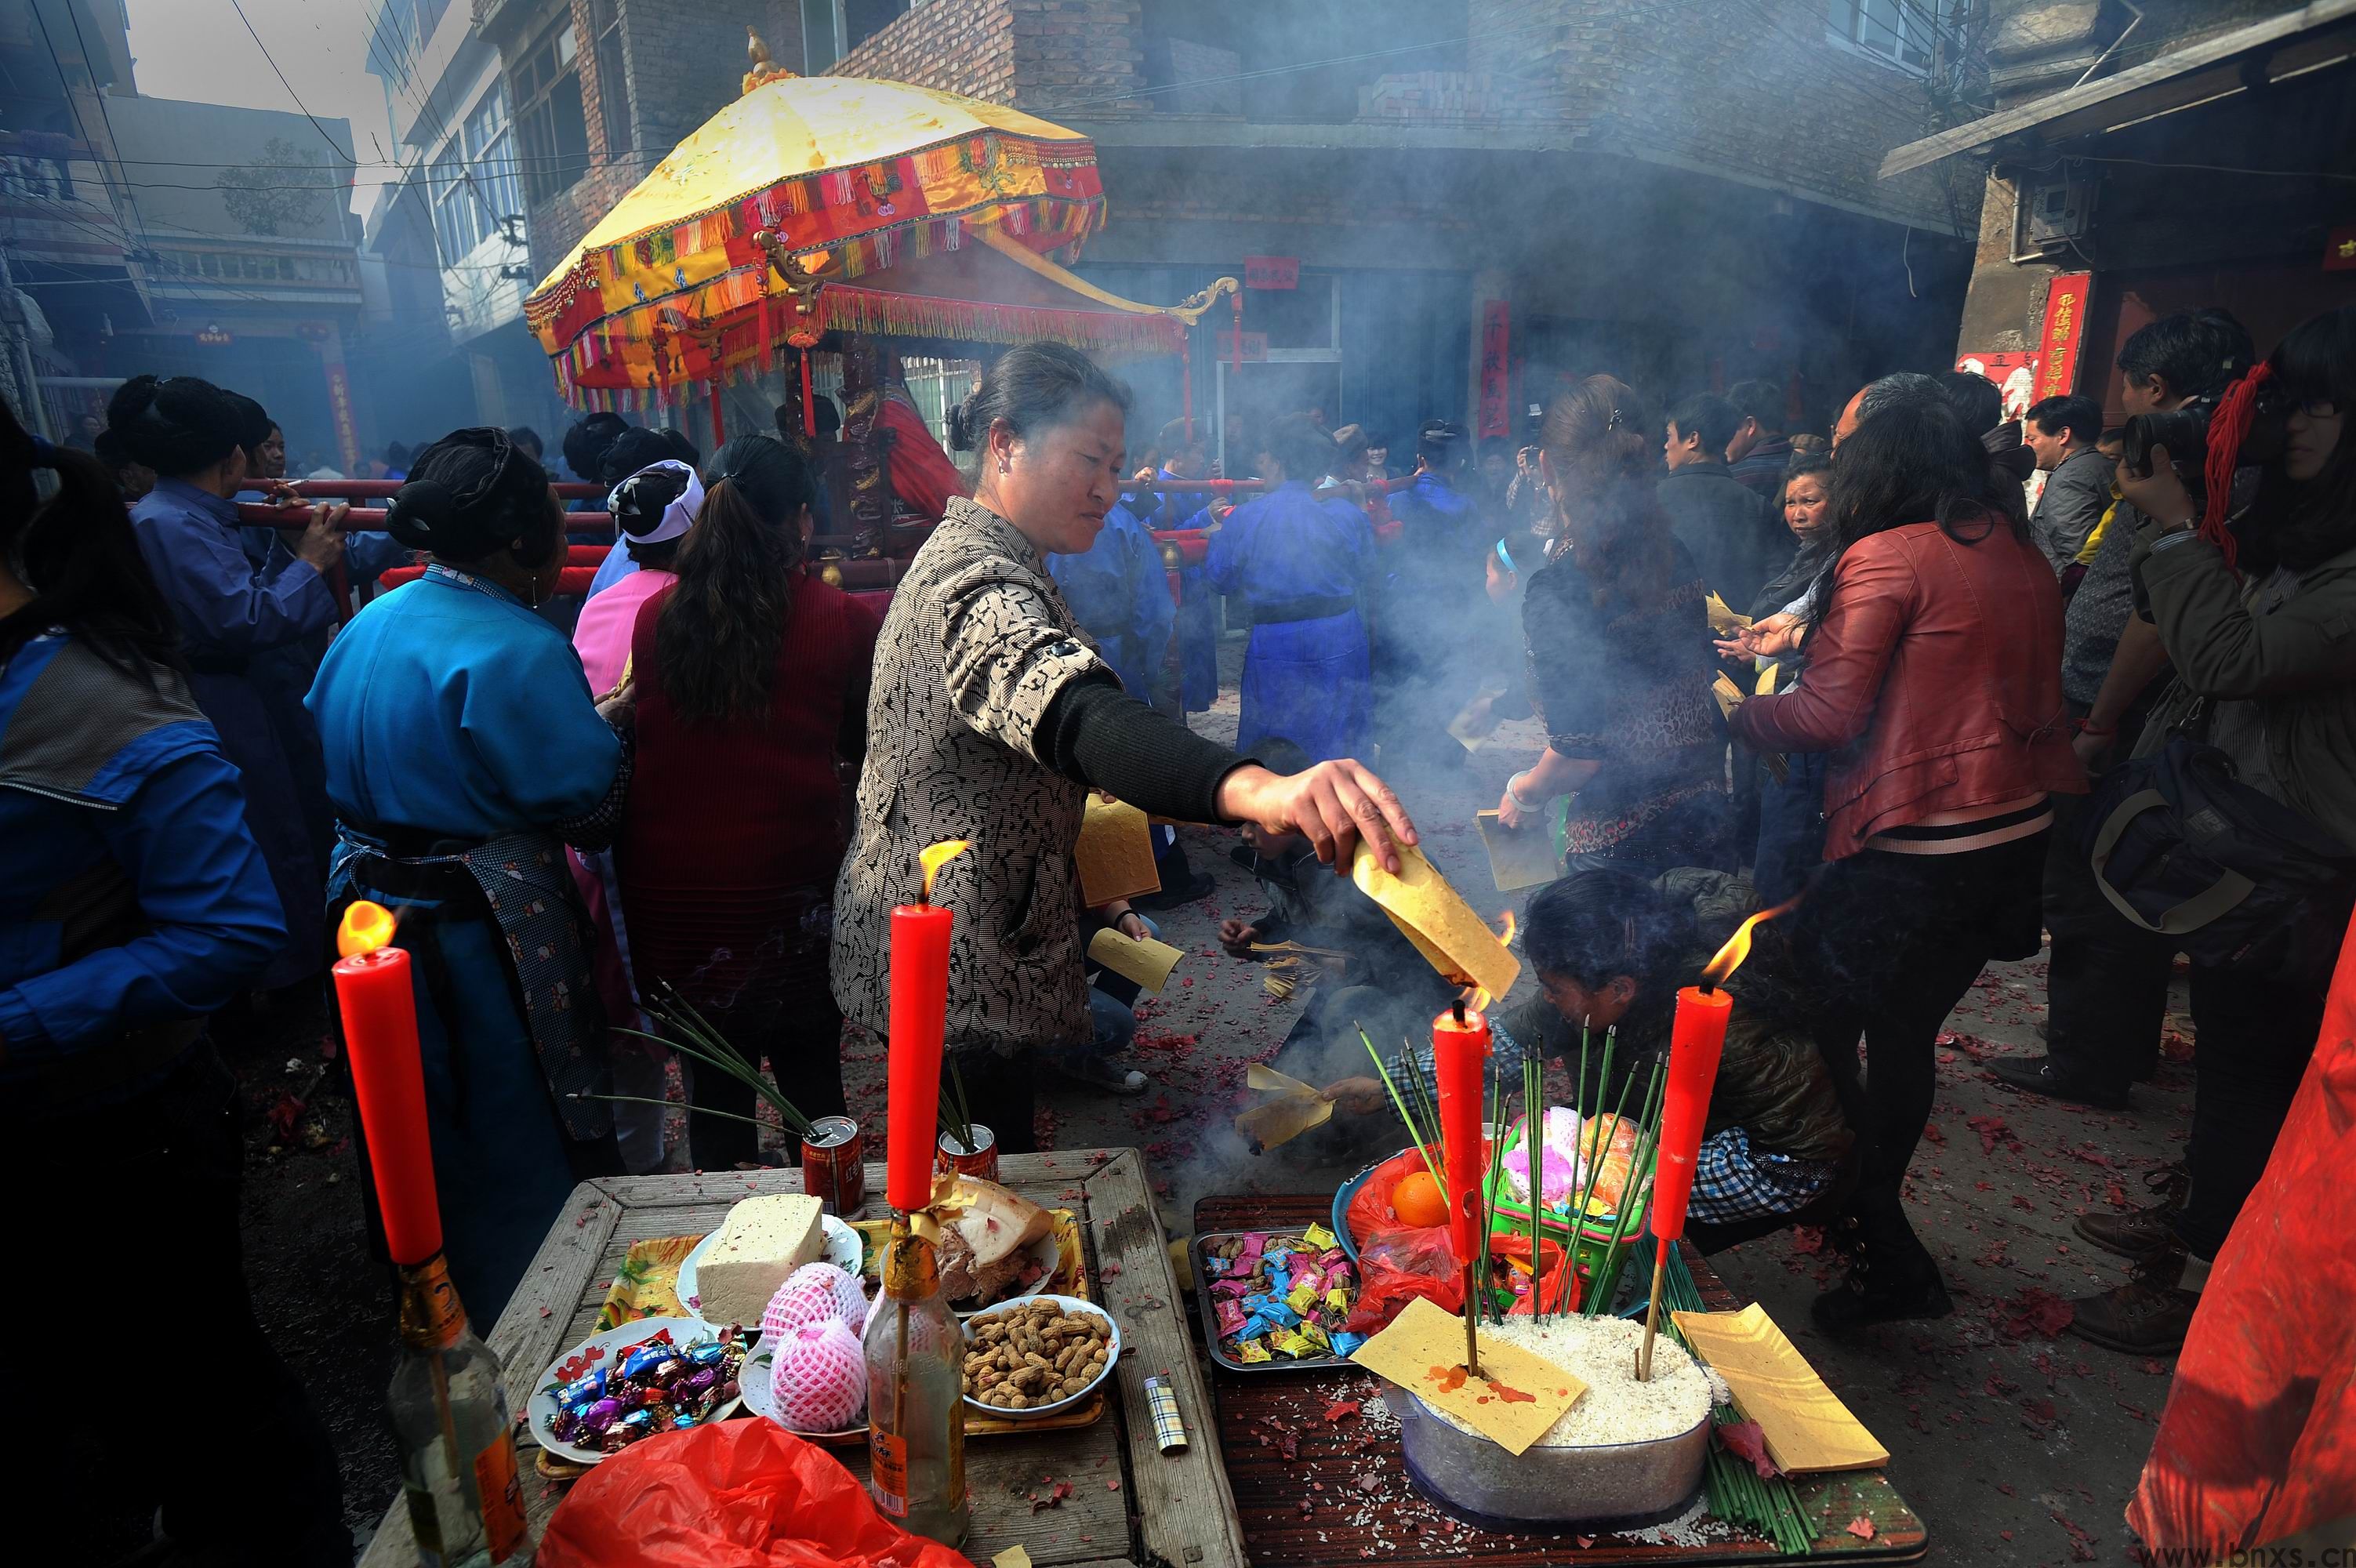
x=1174 y=1510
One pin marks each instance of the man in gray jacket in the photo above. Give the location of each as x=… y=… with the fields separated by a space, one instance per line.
x=2062 y=432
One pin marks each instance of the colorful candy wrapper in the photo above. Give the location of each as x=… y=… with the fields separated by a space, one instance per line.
x=1216 y=1265
x=1293 y=1345
x=1348 y=1344
x=1253 y=1350
x=1337 y=1299
x=1231 y=1318
x=1318 y=1236
x=1316 y=1338
x=1256 y=1301
x=1303 y=1297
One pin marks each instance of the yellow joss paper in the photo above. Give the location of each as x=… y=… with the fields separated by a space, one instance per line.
x=1317 y=1236
x=1302 y=1298
x=1423 y=1352
x=1253 y=1350
x=1115 y=853
x=1013 y=1557
x=1147 y=962
x=1434 y=917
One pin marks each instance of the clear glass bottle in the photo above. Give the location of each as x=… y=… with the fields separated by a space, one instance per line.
x=458 y=1446
x=915 y=1398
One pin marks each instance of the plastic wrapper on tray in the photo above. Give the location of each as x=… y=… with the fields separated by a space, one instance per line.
x=1276 y=1300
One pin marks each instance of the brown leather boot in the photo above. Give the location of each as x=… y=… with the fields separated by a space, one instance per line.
x=2145 y=1317
x=2141 y=1232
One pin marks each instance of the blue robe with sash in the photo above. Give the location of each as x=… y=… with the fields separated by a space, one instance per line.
x=1120 y=592
x=458 y=732
x=1298 y=563
x=250 y=631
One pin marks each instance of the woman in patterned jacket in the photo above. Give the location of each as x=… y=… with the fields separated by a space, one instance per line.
x=993 y=715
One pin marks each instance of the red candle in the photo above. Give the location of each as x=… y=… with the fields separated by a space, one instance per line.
x=379 y=1016
x=1460 y=1051
x=1696 y=1042
x=919 y=1013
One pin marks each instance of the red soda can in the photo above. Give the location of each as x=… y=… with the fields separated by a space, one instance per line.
x=979 y=1160
x=834 y=1169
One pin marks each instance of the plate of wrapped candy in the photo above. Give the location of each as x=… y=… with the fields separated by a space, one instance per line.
x=1276 y=1300
x=657 y=1374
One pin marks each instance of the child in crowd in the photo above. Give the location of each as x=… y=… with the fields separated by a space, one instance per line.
x=1610 y=949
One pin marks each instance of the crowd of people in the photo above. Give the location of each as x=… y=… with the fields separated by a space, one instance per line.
x=1957 y=711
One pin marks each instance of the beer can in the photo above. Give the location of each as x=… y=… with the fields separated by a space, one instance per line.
x=834 y=1169
x=980 y=1161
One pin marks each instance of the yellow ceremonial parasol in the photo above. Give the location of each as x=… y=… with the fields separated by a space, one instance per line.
x=736 y=240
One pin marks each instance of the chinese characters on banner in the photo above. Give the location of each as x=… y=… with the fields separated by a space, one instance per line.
x=1271 y=272
x=1243 y=348
x=2015 y=374
x=1496 y=369
x=347 y=430
x=2064 y=329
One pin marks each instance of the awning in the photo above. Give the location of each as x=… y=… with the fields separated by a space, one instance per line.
x=2310 y=38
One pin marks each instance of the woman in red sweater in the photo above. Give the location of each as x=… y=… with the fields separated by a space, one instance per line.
x=752 y=695
x=1935 y=680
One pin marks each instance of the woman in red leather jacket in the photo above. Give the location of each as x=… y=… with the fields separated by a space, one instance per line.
x=1934 y=681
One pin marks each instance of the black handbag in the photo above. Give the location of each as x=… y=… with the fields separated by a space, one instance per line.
x=2184 y=848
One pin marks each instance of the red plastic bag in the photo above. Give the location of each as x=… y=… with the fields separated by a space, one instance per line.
x=736 y=1494
x=1515 y=1248
x=1369 y=1213
x=1399 y=1265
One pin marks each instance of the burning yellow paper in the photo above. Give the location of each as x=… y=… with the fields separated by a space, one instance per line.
x=1295 y=1108
x=1516 y=1396
x=1723 y=620
x=1435 y=917
x=1519 y=857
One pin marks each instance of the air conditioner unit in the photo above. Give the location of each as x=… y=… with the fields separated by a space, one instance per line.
x=2058 y=211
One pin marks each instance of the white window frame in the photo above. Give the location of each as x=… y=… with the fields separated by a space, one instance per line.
x=1865 y=27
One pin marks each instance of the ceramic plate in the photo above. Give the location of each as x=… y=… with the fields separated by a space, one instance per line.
x=842 y=1249
x=607 y=1349
x=1071 y=1304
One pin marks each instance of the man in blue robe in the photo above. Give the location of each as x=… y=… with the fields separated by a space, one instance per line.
x=249 y=630
x=1185 y=456
x=1120 y=592
x=1300 y=564
x=1423 y=671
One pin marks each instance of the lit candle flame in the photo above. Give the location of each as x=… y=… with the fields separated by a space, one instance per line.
x=1505 y=928
x=366 y=926
x=1738 y=946
x=936 y=856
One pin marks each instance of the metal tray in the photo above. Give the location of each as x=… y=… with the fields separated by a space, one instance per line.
x=1210 y=1316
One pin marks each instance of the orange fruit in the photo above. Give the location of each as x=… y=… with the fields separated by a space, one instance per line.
x=1418 y=1201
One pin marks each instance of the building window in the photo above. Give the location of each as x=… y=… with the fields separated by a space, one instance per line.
x=612 y=80
x=833 y=28
x=459 y=222
x=490 y=149
x=1898 y=31
x=555 y=132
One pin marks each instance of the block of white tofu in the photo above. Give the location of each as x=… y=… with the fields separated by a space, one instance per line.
x=762 y=1240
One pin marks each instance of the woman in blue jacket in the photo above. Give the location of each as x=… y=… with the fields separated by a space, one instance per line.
x=132 y=903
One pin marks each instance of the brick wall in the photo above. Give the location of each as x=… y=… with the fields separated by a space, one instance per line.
x=1755 y=88
x=683 y=60
x=1041 y=55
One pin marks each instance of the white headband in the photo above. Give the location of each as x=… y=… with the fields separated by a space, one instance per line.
x=677 y=517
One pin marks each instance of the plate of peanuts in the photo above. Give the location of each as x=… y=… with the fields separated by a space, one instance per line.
x=1038 y=1355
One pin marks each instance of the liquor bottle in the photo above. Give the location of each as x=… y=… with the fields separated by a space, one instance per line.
x=915 y=1397
x=457 y=1445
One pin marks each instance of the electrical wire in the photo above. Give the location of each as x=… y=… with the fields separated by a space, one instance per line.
x=239 y=6
x=60 y=65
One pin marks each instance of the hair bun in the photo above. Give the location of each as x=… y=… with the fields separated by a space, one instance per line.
x=639 y=499
x=423 y=514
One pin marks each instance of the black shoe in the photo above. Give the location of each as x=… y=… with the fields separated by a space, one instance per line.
x=1196 y=886
x=2044 y=1075
x=2143 y=1232
x=1891 y=1278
